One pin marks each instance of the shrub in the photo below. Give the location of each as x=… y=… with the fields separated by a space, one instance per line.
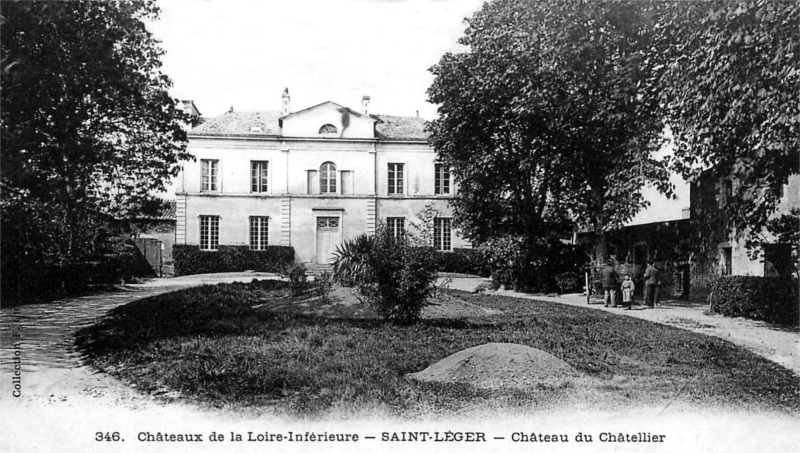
x=532 y=267
x=463 y=261
x=702 y=280
x=439 y=287
x=504 y=256
x=189 y=259
x=773 y=299
x=324 y=286
x=48 y=252
x=296 y=273
x=392 y=275
x=568 y=282
x=38 y=282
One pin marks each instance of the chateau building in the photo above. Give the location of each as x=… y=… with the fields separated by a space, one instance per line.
x=729 y=254
x=309 y=179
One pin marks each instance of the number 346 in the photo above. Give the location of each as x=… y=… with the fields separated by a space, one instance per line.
x=108 y=437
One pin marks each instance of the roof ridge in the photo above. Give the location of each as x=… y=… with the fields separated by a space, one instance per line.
x=268 y=123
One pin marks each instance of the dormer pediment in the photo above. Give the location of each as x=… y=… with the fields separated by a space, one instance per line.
x=327 y=120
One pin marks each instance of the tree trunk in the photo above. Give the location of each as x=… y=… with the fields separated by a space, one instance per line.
x=600 y=247
x=601 y=240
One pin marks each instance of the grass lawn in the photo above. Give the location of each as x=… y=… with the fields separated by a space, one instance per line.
x=254 y=347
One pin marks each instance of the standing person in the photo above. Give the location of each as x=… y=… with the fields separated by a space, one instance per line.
x=651 y=283
x=610 y=283
x=627 y=291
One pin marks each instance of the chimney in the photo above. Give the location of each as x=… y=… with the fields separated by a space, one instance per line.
x=365 y=105
x=285 y=98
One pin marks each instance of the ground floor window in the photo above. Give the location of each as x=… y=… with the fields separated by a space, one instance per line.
x=259 y=233
x=396 y=226
x=442 y=233
x=209 y=232
x=727 y=254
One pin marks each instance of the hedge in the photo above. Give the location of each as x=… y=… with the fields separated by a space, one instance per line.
x=40 y=282
x=702 y=277
x=463 y=261
x=189 y=259
x=533 y=268
x=773 y=299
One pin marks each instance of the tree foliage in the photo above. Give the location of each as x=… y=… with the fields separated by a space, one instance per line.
x=87 y=129
x=731 y=97
x=86 y=117
x=550 y=114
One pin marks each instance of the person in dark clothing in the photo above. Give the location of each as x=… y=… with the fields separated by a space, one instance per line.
x=651 y=281
x=610 y=281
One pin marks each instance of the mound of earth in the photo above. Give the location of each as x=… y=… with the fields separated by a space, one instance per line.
x=498 y=365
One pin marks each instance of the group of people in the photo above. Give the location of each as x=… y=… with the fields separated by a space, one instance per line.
x=611 y=283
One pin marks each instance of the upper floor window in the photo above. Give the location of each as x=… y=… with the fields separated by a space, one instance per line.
x=328 y=129
x=327 y=178
x=442 y=234
x=258 y=176
x=209 y=232
x=259 y=233
x=396 y=226
x=441 y=179
x=396 y=175
x=210 y=175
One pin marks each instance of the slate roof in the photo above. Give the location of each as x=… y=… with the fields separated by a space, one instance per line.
x=265 y=123
x=400 y=127
x=167 y=211
x=241 y=123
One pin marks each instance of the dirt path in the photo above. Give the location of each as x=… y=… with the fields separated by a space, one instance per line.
x=782 y=346
x=38 y=340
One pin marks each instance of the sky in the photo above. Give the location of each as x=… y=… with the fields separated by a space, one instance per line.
x=243 y=53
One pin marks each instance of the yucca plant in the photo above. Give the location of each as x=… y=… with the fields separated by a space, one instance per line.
x=350 y=260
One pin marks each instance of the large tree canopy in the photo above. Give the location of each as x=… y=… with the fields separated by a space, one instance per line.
x=86 y=118
x=88 y=132
x=550 y=112
x=731 y=88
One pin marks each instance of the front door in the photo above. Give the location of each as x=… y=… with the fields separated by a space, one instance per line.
x=329 y=233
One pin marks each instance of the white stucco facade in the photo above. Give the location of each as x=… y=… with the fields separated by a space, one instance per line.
x=731 y=256
x=310 y=179
x=735 y=254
